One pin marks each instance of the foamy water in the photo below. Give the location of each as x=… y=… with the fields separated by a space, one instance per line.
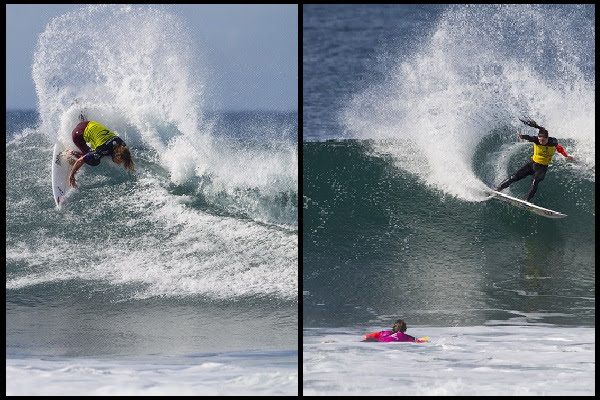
x=500 y=360
x=209 y=375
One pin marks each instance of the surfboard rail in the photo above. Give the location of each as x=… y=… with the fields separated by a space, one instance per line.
x=544 y=212
x=60 y=175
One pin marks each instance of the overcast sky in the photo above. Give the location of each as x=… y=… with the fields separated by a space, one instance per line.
x=234 y=36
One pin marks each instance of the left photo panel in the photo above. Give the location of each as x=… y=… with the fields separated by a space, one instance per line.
x=152 y=200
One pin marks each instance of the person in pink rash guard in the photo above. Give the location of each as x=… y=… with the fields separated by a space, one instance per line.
x=395 y=335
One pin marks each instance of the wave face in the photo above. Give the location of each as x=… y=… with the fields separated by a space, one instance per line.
x=380 y=244
x=479 y=69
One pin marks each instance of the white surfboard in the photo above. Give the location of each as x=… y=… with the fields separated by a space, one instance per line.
x=60 y=175
x=545 y=212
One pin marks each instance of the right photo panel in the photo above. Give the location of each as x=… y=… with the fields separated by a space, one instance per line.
x=448 y=220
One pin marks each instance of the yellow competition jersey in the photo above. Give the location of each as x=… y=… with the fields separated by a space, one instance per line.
x=96 y=135
x=542 y=154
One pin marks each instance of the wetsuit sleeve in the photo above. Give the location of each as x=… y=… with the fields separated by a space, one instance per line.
x=412 y=338
x=372 y=336
x=528 y=138
x=92 y=158
x=562 y=151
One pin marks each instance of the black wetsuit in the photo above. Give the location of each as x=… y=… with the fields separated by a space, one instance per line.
x=544 y=154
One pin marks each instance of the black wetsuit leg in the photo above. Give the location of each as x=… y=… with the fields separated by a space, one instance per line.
x=524 y=171
x=539 y=173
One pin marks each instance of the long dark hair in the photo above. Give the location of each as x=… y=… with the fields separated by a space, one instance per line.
x=528 y=121
x=123 y=152
x=401 y=326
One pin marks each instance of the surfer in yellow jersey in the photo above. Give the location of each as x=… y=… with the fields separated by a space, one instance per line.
x=102 y=141
x=543 y=150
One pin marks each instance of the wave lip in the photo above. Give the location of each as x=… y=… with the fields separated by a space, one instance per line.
x=470 y=78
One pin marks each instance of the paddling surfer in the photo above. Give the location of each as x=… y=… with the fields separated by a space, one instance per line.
x=395 y=335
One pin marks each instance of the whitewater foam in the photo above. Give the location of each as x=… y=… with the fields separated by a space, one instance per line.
x=149 y=85
x=183 y=251
x=482 y=68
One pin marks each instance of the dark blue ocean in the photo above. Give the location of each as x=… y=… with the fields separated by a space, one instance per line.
x=178 y=279
x=409 y=113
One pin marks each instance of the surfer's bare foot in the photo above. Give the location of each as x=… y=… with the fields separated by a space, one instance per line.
x=68 y=155
x=72 y=153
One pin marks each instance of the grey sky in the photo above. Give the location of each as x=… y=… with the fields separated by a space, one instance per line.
x=241 y=43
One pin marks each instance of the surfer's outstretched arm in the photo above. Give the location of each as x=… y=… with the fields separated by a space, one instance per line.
x=526 y=138
x=562 y=151
x=76 y=166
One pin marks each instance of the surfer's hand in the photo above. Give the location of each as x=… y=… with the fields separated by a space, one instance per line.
x=571 y=158
x=520 y=138
x=72 y=181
